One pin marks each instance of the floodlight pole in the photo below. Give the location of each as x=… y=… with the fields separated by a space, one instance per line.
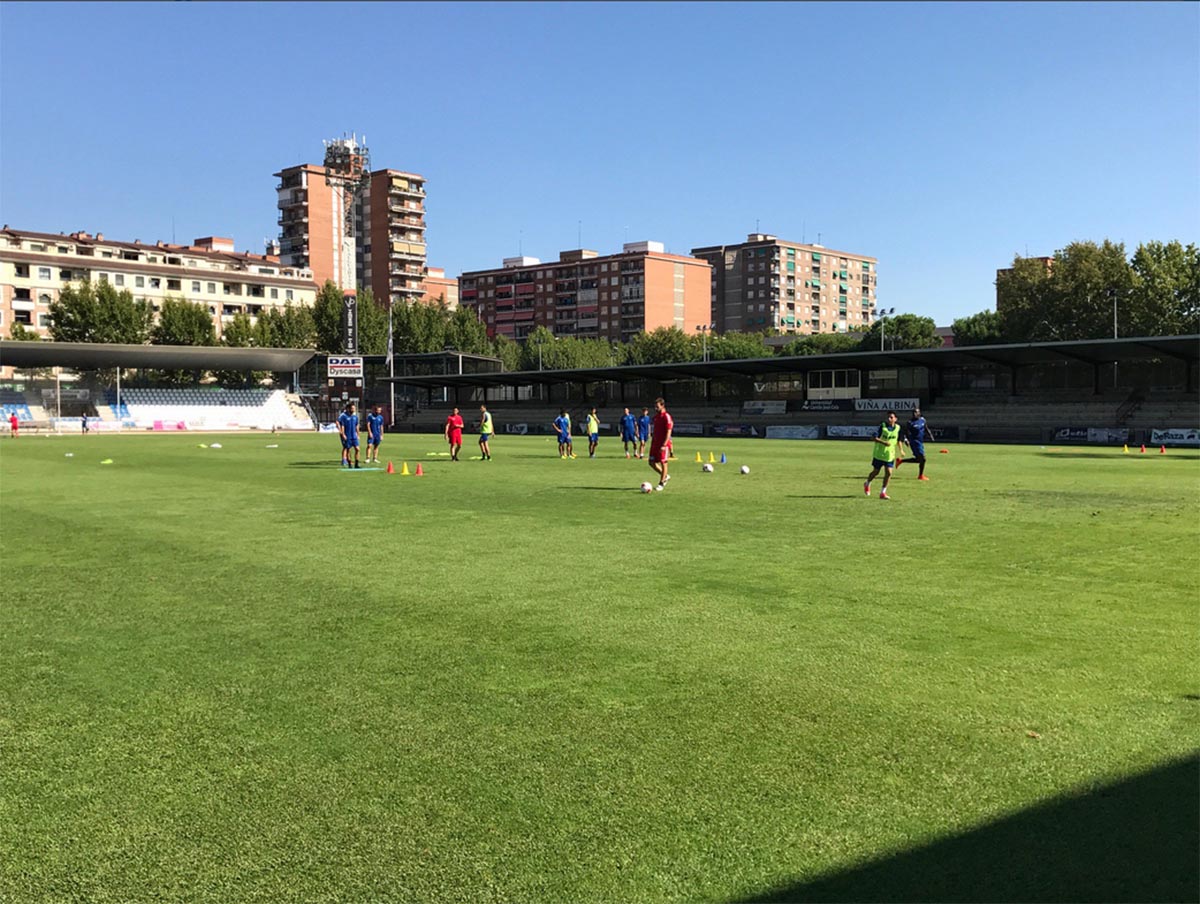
x=119 y=424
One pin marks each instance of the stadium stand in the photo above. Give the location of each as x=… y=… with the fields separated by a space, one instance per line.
x=200 y=408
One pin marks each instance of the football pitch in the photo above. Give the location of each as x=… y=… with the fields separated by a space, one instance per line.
x=245 y=674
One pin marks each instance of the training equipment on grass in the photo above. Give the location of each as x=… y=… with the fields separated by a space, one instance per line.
x=647 y=487
x=745 y=469
x=273 y=446
x=404 y=472
x=946 y=451
x=419 y=472
x=698 y=458
x=1143 y=448
x=202 y=446
x=1127 y=448
x=722 y=458
x=70 y=455
x=215 y=446
x=107 y=461
x=1162 y=450
x=706 y=468
x=711 y=460
x=390 y=468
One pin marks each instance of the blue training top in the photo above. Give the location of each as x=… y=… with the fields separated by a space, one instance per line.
x=628 y=424
x=644 y=426
x=349 y=422
x=375 y=424
x=916 y=430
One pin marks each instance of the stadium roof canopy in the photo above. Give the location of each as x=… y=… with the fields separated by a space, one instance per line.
x=1091 y=351
x=93 y=356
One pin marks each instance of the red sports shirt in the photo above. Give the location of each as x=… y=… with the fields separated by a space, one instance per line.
x=662 y=423
x=455 y=423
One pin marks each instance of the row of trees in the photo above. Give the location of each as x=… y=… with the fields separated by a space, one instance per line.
x=1076 y=294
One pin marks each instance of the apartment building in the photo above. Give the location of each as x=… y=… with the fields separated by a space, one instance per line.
x=438 y=287
x=352 y=225
x=764 y=283
x=391 y=214
x=591 y=296
x=36 y=266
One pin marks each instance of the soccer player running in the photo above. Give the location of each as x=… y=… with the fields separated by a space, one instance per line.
x=628 y=431
x=660 y=445
x=643 y=432
x=886 y=438
x=562 y=425
x=374 y=434
x=453 y=433
x=916 y=430
x=593 y=432
x=14 y=425
x=486 y=429
x=348 y=428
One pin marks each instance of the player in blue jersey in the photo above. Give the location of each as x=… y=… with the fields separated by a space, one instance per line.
x=374 y=434
x=643 y=432
x=562 y=426
x=915 y=431
x=629 y=431
x=348 y=430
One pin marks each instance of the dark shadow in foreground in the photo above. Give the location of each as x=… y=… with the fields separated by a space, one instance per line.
x=1136 y=840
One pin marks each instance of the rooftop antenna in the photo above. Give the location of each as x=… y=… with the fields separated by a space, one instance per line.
x=756 y=224
x=818 y=238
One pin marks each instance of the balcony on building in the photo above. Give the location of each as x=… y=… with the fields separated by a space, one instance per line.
x=296 y=197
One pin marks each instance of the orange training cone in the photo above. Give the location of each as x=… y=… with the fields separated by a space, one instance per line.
x=1143 y=448
x=1162 y=450
x=419 y=472
x=390 y=468
x=404 y=470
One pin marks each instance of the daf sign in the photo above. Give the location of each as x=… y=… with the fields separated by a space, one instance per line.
x=345 y=366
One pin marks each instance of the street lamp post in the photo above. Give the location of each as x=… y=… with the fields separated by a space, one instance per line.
x=704 y=329
x=883 y=316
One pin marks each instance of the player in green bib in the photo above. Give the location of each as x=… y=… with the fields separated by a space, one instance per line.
x=883 y=457
x=486 y=429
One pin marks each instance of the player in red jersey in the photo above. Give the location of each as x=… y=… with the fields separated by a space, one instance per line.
x=453 y=433
x=660 y=442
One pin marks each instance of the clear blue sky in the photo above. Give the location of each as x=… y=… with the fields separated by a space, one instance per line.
x=941 y=138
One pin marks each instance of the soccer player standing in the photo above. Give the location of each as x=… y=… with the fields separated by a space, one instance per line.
x=643 y=432
x=348 y=428
x=660 y=445
x=886 y=438
x=593 y=432
x=628 y=431
x=374 y=434
x=916 y=430
x=486 y=429
x=562 y=425
x=453 y=433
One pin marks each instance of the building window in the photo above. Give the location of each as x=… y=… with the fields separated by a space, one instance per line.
x=119 y=279
x=23 y=317
x=287 y=294
x=43 y=272
x=44 y=320
x=195 y=286
x=274 y=293
x=211 y=288
x=174 y=285
x=64 y=274
x=21 y=271
x=155 y=282
x=21 y=295
x=103 y=277
x=139 y=282
x=44 y=298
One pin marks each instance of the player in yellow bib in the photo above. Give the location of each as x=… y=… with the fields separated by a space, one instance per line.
x=883 y=456
x=593 y=432
x=486 y=429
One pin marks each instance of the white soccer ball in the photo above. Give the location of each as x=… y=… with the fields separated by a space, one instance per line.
x=658 y=488
x=745 y=469
x=647 y=487
x=707 y=468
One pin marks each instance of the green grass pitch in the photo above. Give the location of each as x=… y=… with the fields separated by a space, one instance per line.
x=242 y=674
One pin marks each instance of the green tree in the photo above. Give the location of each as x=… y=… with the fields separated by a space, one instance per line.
x=465 y=332
x=983 y=328
x=372 y=325
x=85 y=312
x=182 y=323
x=735 y=345
x=901 y=331
x=239 y=333
x=18 y=333
x=824 y=344
x=1164 y=299
x=288 y=327
x=327 y=317
x=664 y=345
x=507 y=351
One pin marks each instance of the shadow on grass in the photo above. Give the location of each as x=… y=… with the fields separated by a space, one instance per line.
x=1135 y=840
x=841 y=496
x=1180 y=455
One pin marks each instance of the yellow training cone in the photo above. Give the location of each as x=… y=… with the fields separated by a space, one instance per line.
x=1126 y=448
x=698 y=458
x=711 y=460
x=404 y=471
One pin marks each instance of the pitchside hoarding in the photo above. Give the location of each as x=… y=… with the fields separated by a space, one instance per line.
x=896 y=405
x=1178 y=437
x=794 y=431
